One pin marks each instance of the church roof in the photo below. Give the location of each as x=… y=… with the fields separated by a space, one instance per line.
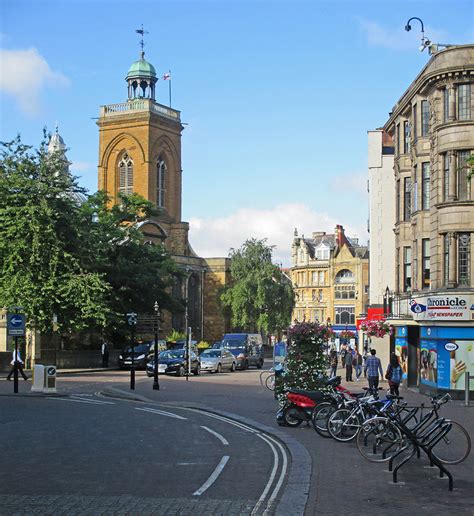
x=141 y=68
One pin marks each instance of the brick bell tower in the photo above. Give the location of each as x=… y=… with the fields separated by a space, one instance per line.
x=140 y=151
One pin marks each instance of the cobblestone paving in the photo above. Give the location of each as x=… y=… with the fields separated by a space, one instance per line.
x=72 y=505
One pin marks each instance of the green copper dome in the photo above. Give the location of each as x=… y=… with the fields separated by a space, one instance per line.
x=141 y=68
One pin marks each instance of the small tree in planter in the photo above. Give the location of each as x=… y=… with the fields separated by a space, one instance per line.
x=306 y=359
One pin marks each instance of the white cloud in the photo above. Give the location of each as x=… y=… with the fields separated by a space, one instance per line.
x=82 y=166
x=23 y=75
x=397 y=38
x=214 y=237
x=350 y=183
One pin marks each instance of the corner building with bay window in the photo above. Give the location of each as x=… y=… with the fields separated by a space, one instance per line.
x=432 y=126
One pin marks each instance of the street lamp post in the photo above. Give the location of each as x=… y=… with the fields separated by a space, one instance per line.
x=156 y=383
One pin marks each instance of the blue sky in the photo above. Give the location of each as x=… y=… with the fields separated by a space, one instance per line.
x=278 y=97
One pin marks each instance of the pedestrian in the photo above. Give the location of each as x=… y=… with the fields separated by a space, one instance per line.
x=349 y=365
x=343 y=355
x=394 y=375
x=372 y=367
x=364 y=361
x=19 y=364
x=358 y=365
x=333 y=363
x=104 y=352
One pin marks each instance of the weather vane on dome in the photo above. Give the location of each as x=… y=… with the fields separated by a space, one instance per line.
x=142 y=32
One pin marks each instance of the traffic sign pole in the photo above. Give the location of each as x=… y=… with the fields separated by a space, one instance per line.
x=15 y=368
x=132 y=367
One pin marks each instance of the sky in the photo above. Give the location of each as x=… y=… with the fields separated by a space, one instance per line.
x=277 y=97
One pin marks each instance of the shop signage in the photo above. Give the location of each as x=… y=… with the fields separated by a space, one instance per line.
x=442 y=308
x=451 y=346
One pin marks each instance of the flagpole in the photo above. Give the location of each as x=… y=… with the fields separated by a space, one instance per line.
x=169 y=86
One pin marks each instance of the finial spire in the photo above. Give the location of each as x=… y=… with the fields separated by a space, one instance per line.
x=57 y=128
x=142 y=32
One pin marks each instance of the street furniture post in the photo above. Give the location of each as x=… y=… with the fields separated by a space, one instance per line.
x=132 y=321
x=467 y=377
x=156 y=384
x=15 y=368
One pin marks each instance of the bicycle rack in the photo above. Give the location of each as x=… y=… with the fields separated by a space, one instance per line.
x=426 y=442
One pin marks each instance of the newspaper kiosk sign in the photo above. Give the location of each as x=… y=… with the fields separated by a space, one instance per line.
x=16 y=325
x=442 y=308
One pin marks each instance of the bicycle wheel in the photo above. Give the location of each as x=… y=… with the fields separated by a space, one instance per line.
x=343 y=426
x=454 y=447
x=379 y=439
x=320 y=417
x=270 y=382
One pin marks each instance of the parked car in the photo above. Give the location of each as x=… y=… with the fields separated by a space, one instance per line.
x=140 y=356
x=174 y=361
x=215 y=360
x=246 y=347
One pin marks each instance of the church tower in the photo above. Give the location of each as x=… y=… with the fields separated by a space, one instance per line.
x=140 y=151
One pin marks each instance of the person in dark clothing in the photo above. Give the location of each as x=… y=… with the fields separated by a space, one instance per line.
x=104 y=351
x=394 y=375
x=349 y=358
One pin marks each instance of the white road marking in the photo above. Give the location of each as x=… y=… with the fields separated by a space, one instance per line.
x=208 y=483
x=222 y=439
x=99 y=402
x=161 y=413
x=89 y=402
x=272 y=476
x=266 y=438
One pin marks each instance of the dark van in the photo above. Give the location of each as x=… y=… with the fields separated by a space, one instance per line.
x=246 y=347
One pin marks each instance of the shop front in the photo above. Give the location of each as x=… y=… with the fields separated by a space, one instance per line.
x=436 y=349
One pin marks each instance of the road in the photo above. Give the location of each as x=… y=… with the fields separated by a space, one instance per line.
x=81 y=451
x=116 y=454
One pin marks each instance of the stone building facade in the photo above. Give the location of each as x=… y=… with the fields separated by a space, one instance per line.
x=330 y=275
x=140 y=152
x=432 y=126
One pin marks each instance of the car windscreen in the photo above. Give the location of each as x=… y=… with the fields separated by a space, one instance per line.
x=233 y=344
x=139 y=348
x=177 y=353
x=212 y=353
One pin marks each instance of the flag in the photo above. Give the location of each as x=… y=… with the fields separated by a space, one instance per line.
x=167 y=77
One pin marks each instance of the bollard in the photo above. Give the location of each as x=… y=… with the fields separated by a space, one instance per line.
x=467 y=377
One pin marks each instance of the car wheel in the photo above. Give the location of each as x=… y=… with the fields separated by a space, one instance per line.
x=197 y=371
x=180 y=371
x=232 y=368
x=246 y=365
x=219 y=368
x=260 y=364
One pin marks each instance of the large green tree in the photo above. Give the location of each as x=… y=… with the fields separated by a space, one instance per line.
x=85 y=262
x=260 y=297
x=40 y=243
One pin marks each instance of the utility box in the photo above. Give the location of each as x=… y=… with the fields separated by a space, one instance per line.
x=44 y=378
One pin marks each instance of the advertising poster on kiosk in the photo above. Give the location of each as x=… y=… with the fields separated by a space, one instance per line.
x=401 y=350
x=429 y=362
x=456 y=358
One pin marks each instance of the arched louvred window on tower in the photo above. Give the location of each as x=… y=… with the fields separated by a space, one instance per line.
x=160 y=183
x=126 y=175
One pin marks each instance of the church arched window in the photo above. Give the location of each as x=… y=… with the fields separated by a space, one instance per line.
x=126 y=175
x=160 y=183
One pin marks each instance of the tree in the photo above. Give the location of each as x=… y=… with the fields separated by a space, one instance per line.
x=40 y=243
x=260 y=297
x=139 y=273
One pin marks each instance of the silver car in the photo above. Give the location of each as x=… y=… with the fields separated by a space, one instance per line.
x=216 y=360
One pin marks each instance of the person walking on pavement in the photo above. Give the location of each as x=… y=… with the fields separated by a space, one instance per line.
x=394 y=375
x=343 y=355
x=19 y=364
x=333 y=363
x=349 y=358
x=358 y=365
x=364 y=361
x=104 y=351
x=372 y=367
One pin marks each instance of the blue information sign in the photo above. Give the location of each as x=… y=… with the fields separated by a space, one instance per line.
x=16 y=325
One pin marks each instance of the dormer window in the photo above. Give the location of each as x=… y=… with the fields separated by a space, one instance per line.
x=322 y=252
